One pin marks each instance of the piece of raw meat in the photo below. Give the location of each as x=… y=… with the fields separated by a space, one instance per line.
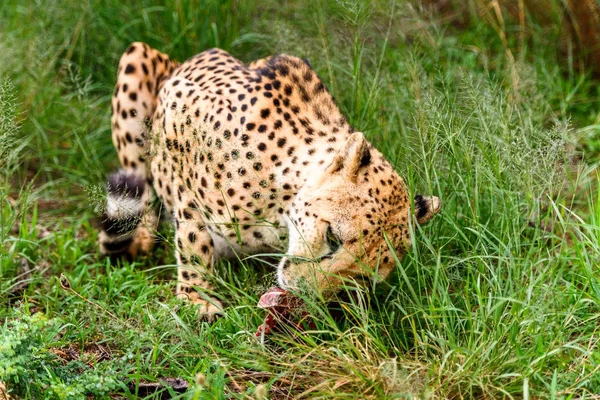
x=281 y=307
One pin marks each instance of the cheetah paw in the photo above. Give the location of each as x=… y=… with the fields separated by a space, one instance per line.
x=208 y=310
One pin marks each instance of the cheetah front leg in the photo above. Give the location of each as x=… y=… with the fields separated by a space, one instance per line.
x=195 y=252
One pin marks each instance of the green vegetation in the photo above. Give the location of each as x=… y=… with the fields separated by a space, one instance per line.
x=499 y=299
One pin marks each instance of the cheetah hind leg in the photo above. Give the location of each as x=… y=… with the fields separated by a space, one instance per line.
x=130 y=219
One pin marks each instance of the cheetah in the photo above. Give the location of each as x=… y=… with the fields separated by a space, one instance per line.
x=246 y=159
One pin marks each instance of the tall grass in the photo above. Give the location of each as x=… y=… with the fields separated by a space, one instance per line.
x=498 y=298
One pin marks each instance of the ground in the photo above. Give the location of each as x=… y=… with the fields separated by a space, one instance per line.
x=500 y=298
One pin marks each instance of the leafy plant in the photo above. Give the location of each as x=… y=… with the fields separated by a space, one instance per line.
x=30 y=367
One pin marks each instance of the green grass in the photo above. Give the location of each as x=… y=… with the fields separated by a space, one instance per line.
x=500 y=298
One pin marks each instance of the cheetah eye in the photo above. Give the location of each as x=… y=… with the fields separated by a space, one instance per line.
x=333 y=241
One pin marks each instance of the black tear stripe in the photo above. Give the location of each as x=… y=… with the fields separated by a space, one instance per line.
x=127 y=185
x=421 y=206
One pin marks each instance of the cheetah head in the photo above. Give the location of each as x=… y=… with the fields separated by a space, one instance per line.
x=340 y=218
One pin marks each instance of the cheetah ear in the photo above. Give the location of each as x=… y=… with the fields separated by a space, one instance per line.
x=426 y=207
x=353 y=155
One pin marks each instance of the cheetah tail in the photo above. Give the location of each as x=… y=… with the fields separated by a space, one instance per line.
x=124 y=210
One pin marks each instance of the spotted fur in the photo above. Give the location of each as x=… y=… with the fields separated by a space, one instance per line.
x=251 y=159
